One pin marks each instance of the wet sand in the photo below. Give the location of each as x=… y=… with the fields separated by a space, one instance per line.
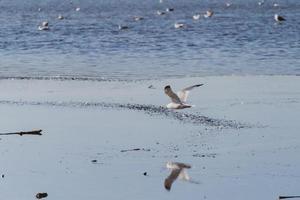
x=241 y=138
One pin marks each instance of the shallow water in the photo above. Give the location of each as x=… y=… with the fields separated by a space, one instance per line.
x=241 y=39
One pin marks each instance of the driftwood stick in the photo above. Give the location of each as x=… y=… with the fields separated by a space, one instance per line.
x=33 y=132
x=136 y=149
x=288 y=197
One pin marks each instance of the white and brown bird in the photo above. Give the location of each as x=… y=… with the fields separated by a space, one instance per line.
x=170 y=9
x=178 y=170
x=208 y=14
x=278 y=18
x=160 y=12
x=138 y=18
x=60 y=17
x=178 y=25
x=179 y=99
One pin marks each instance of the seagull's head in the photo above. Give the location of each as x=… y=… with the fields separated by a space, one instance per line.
x=167 y=88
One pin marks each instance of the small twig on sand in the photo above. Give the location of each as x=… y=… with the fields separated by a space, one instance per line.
x=136 y=149
x=288 y=197
x=34 y=132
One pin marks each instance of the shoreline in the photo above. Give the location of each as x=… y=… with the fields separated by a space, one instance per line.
x=102 y=79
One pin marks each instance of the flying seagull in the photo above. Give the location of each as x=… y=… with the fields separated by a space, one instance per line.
x=278 y=18
x=179 y=99
x=178 y=170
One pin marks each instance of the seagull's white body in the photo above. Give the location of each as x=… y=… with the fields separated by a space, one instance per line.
x=179 y=99
x=196 y=17
x=178 y=106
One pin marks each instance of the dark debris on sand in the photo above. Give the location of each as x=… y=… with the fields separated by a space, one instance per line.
x=196 y=119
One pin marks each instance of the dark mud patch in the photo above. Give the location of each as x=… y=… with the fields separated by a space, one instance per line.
x=182 y=116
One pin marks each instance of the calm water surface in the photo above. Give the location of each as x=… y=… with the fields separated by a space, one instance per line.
x=241 y=39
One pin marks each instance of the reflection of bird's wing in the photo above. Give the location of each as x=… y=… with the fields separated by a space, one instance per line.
x=183 y=94
x=171 y=178
x=172 y=95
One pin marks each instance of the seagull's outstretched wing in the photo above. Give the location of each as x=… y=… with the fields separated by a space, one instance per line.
x=172 y=95
x=183 y=94
x=172 y=177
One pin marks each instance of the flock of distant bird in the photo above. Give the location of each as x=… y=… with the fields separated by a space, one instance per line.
x=44 y=26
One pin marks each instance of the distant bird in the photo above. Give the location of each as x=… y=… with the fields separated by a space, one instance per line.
x=208 y=14
x=170 y=9
x=44 y=26
x=260 y=3
x=228 y=4
x=39 y=9
x=178 y=170
x=279 y=18
x=276 y=5
x=138 y=18
x=160 y=12
x=123 y=27
x=60 y=17
x=179 y=25
x=77 y=9
x=196 y=17
x=179 y=99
